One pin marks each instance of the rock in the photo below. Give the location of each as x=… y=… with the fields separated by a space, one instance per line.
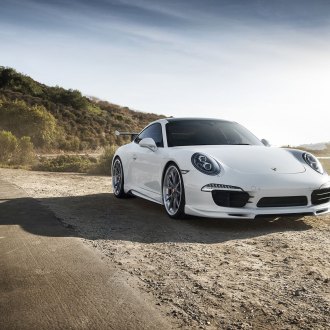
x=296 y=293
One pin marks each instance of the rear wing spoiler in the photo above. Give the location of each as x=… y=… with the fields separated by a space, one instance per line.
x=132 y=135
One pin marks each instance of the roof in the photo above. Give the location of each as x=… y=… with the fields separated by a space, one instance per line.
x=196 y=118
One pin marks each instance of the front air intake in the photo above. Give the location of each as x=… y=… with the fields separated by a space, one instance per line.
x=286 y=201
x=321 y=196
x=229 y=198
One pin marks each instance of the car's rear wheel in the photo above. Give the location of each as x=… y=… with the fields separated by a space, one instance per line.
x=118 y=179
x=173 y=192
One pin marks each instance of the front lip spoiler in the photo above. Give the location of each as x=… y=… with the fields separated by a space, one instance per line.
x=272 y=215
x=244 y=213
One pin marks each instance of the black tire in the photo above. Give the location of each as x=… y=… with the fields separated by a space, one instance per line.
x=173 y=192
x=118 y=178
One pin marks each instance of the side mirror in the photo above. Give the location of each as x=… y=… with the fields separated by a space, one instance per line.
x=148 y=143
x=265 y=143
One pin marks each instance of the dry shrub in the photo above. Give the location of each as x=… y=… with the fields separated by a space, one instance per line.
x=103 y=165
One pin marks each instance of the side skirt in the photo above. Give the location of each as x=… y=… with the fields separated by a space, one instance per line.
x=138 y=194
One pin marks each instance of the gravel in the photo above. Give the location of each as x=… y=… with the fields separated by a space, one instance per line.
x=205 y=274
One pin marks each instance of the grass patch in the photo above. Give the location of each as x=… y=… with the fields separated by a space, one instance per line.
x=78 y=163
x=66 y=163
x=15 y=166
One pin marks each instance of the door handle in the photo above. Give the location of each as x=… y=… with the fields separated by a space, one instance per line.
x=134 y=157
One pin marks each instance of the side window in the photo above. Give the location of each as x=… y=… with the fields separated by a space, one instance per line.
x=155 y=132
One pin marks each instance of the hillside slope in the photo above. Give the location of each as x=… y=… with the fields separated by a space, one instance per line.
x=57 y=118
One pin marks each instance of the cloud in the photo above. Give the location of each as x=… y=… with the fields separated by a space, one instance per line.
x=174 y=14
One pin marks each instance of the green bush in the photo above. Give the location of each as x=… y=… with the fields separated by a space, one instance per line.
x=103 y=165
x=8 y=146
x=15 y=151
x=24 y=154
x=24 y=120
x=66 y=163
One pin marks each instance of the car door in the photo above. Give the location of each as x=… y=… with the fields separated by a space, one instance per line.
x=147 y=164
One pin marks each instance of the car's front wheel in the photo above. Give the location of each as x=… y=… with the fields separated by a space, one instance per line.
x=118 y=179
x=173 y=192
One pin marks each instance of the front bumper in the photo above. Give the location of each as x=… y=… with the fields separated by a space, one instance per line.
x=200 y=203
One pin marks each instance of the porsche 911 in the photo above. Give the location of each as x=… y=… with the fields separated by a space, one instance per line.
x=218 y=169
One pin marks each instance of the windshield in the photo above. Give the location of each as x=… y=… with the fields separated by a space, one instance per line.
x=194 y=132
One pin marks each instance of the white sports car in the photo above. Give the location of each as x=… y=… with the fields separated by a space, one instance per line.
x=217 y=168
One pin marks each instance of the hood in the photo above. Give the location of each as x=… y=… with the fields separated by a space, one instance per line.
x=253 y=159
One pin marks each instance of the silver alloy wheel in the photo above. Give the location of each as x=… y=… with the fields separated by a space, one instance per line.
x=172 y=190
x=117 y=177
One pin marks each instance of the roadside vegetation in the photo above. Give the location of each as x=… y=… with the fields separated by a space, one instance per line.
x=66 y=163
x=16 y=151
x=78 y=163
x=20 y=153
x=103 y=165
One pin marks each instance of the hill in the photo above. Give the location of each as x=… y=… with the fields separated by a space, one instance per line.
x=315 y=146
x=58 y=118
x=318 y=149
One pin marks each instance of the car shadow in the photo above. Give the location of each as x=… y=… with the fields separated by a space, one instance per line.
x=104 y=217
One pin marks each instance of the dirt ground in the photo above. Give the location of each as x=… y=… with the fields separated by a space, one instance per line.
x=212 y=274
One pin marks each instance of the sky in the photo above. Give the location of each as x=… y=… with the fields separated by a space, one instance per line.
x=262 y=63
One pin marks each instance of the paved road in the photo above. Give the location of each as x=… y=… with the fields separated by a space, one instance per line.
x=49 y=279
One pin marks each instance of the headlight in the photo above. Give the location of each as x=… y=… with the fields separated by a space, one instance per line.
x=313 y=162
x=205 y=164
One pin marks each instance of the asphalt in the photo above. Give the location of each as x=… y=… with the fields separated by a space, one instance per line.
x=50 y=279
